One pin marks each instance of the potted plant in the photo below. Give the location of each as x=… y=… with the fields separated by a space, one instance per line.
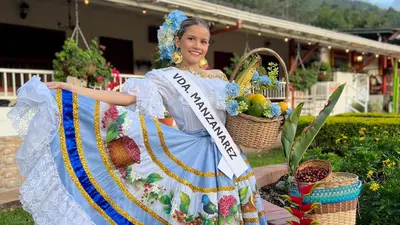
x=89 y=65
x=71 y=61
x=100 y=71
x=303 y=79
x=324 y=71
x=167 y=120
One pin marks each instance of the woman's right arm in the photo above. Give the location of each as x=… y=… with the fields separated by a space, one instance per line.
x=111 y=97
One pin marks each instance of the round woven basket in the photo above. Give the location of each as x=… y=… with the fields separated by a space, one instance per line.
x=315 y=163
x=256 y=132
x=343 y=190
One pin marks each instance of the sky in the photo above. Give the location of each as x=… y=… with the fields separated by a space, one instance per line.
x=385 y=3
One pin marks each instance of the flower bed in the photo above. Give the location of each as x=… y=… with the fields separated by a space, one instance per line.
x=374 y=155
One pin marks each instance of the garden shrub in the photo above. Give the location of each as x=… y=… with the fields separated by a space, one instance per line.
x=337 y=126
x=384 y=115
x=374 y=155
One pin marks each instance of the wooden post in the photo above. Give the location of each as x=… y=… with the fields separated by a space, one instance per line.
x=395 y=87
x=291 y=53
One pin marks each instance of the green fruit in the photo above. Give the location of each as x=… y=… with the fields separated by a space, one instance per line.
x=255 y=110
x=243 y=99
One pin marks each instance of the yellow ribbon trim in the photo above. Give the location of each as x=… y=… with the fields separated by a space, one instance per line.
x=243 y=178
x=86 y=168
x=251 y=220
x=68 y=163
x=110 y=169
x=180 y=163
x=169 y=173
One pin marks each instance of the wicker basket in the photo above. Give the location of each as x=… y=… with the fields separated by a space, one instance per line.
x=343 y=209
x=316 y=163
x=256 y=132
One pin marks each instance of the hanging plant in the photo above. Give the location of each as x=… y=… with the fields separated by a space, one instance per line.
x=71 y=61
x=87 y=64
x=324 y=71
x=303 y=79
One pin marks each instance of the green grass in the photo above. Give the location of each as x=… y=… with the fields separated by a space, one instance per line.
x=275 y=156
x=15 y=216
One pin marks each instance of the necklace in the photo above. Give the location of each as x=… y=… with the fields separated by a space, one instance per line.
x=203 y=73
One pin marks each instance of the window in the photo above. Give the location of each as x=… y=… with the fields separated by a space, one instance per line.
x=119 y=52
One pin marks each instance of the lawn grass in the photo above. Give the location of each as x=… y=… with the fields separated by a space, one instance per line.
x=275 y=156
x=15 y=216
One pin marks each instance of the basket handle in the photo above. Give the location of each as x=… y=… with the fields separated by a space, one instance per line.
x=247 y=55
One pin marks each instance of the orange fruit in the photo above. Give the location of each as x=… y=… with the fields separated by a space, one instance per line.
x=250 y=96
x=284 y=106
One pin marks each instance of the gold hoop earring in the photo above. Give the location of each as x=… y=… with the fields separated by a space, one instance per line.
x=177 y=57
x=203 y=62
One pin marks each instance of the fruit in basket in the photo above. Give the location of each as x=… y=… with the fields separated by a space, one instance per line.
x=243 y=99
x=284 y=106
x=311 y=174
x=250 y=96
x=258 y=99
x=255 y=110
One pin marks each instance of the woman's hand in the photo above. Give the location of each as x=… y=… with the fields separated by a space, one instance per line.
x=59 y=85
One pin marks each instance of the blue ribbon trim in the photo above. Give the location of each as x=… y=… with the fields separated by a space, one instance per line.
x=69 y=129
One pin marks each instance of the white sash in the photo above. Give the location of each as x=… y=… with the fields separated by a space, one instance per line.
x=232 y=162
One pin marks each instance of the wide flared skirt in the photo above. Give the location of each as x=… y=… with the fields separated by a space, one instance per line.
x=70 y=179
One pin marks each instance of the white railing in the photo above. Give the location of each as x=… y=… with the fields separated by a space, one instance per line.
x=316 y=98
x=276 y=94
x=358 y=93
x=12 y=79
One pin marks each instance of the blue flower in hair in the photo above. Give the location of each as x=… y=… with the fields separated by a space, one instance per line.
x=166 y=34
x=174 y=20
x=166 y=53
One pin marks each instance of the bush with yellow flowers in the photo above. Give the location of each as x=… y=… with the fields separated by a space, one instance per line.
x=374 y=155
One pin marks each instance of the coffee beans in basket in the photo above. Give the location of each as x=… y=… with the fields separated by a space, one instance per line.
x=311 y=174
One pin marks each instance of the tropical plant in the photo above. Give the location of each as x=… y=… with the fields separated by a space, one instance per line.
x=301 y=209
x=294 y=149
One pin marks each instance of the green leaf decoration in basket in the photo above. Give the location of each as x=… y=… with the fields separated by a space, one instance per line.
x=294 y=149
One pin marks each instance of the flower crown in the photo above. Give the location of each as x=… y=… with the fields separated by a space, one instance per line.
x=167 y=32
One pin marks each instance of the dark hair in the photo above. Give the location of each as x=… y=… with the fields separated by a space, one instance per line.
x=190 y=22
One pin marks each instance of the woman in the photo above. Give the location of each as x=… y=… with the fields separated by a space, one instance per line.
x=177 y=176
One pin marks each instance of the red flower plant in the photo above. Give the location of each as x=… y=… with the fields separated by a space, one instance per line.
x=99 y=79
x=302 y=209
x=102 y=47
